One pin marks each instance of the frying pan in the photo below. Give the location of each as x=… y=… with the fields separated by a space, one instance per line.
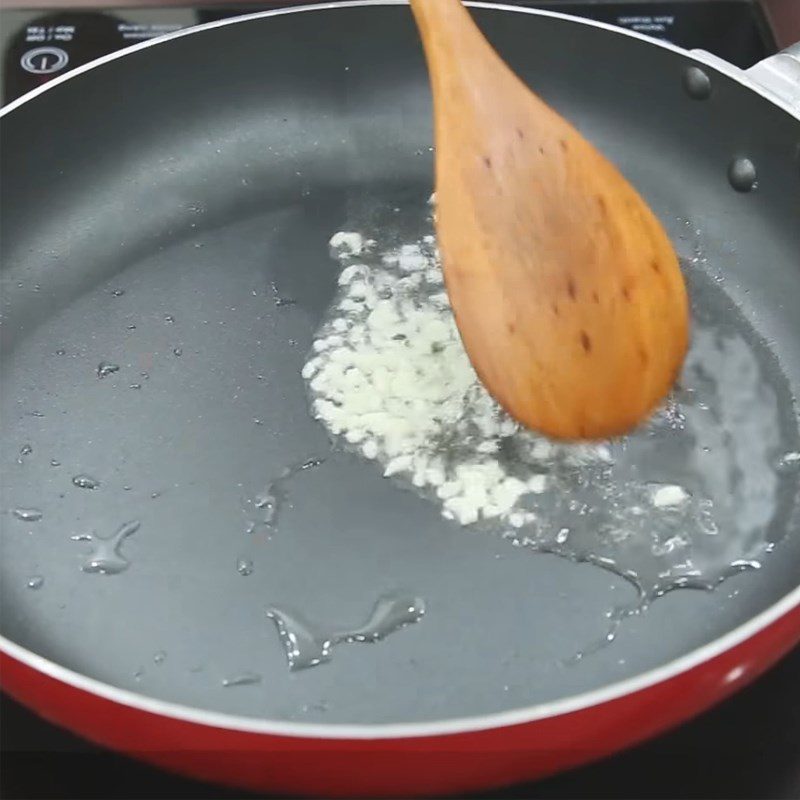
x=155 y=204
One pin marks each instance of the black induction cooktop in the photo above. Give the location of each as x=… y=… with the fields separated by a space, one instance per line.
x=41 y=46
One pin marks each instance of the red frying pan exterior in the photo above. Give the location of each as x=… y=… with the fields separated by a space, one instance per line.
x=480 y=755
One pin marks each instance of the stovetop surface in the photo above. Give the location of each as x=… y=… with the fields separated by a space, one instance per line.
x=39 y=45
x=748 y=747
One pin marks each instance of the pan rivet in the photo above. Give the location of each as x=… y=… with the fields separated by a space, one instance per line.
x=696 y=83
x=742 y=175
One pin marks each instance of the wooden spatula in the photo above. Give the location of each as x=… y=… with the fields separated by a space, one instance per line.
x=566 y=290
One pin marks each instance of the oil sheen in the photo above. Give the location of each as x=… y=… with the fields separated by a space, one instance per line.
x=307 y=644
x=704 y=489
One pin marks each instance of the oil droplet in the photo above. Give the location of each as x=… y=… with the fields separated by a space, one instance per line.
x=322 y=707
x=742 y=175
x=244 y=566
x=271 y=499
x=742 y=564
x=159 y=657
x=696 y=83
x=310 y=464
x=35 y=582
x=84 y=481
x=307 y=645
x=105 y=368
x=107 y=558
x=616 y=617
x=243 y=679
x=27 y=514
x=131 y=327
x=279 y=300
x=54 y=463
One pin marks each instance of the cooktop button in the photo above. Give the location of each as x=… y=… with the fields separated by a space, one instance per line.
x=44 y=60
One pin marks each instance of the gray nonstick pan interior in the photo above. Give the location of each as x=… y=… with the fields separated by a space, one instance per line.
x=194 y=175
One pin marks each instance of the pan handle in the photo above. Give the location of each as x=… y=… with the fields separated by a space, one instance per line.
x=779 y=74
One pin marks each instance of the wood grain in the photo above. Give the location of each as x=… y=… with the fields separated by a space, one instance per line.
x=565 y=287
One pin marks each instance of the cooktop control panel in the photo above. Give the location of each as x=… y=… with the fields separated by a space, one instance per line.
x=38 y=46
